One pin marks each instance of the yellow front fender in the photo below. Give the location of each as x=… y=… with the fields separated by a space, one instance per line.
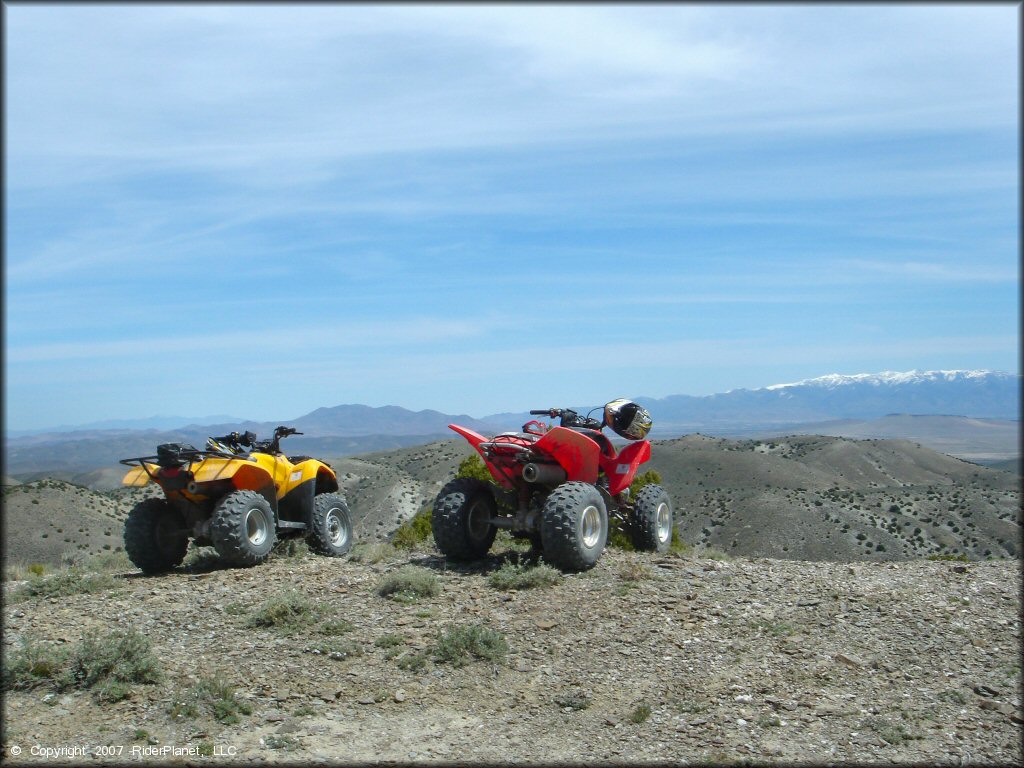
x=303 y=472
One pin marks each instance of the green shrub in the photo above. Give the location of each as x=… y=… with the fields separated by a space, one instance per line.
x=640 y=714
x=288 y=612
x=414 y=661
x=619 y=536
x=577 y=701
x=110 y=662
x=408 y=584
x=650 y=477
x=212 y=695
x=473 y=466
x=953 y=695
x=32 y=664
x=202 y=559
x=960 y=557
x=634 y=571
x=893 y=733
x=677 y=545
x=109 y=562
x=37 y=569
x=336 y=627
x=291 y=547
x=412 y=533
x=338 y=650
x=460 y=645
x=70 y=581
x=286 y=743
x=505 y=540
x=515 y=576
x=372 y=553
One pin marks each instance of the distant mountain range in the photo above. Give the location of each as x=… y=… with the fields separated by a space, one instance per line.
x=153 y=422
x=977 y=394
x=350 y=429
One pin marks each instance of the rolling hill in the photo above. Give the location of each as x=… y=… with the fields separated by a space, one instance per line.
x=980 y=440
x=796 y=497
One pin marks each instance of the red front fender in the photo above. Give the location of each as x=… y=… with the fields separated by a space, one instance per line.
x=622 y=469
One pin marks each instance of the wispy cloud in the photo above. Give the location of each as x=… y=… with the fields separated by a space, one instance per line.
x=291 y=341
x=938 y=271
x=409 y=201
x=266 y=89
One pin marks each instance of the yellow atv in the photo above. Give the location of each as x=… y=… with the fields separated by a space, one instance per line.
x=239 y=495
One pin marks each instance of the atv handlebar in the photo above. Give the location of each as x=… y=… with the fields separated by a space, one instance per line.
x=274 y=445
x=569 y=418
x=246 y=439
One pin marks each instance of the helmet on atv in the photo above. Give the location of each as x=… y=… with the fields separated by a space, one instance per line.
x=213 y=444
x=627 y=419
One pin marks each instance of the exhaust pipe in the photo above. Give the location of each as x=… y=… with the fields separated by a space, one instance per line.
x=544 y=473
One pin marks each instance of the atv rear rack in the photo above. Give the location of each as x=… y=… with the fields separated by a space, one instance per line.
x=520 y=453
x=182 y=458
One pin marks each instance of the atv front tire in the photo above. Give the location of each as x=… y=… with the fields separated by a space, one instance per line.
x=460 y=521
x=652 y=520
x=242 y=528
x=331 y=532
x=574 y=526
x=155 y=537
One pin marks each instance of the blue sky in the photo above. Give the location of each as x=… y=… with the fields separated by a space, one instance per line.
x=259 y=210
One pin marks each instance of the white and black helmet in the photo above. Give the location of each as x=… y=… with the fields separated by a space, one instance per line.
x=627 y=419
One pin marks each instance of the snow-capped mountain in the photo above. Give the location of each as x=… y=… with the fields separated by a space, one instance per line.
x=979 y=394
x=893 y=378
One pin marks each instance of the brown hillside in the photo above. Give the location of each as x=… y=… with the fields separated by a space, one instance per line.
x=50 y=521
x=799 y=497
x=824 y=498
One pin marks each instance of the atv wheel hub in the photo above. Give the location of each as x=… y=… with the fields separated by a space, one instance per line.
x=590 y=526
x=664 y=518
x=478 y=521
x=336 y=530
x=256 y=527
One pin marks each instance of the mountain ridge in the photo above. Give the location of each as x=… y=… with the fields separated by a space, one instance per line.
x=981 y=396
x=1008 y=383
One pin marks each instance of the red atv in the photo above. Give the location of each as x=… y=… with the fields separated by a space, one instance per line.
x=556 y=487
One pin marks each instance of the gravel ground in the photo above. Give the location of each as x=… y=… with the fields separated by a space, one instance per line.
x=644 y=659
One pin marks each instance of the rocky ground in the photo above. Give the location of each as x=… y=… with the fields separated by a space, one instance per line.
x=644 y=659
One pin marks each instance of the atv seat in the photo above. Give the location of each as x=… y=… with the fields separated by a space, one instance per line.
x=598 y=437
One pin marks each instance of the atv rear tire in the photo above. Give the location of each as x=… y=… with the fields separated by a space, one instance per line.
x=652 y=520
x=155 y=537
x=574 y=526
x=331 y=532
x=242 y=528
x=460 y=521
